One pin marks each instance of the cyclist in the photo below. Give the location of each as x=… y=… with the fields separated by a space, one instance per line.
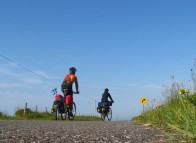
x=105 y=96
x=66 y=87
x=104 y=99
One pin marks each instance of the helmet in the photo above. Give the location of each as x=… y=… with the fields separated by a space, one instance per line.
x=72 y=70
x=106 y=90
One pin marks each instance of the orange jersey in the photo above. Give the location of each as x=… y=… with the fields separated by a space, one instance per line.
x=71 y=77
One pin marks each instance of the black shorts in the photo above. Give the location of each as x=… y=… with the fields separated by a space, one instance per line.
x=67 y=91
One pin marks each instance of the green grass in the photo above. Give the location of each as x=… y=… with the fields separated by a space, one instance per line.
x=177 y=114
x=32 y=115
x=4 y=116
x=87 y=118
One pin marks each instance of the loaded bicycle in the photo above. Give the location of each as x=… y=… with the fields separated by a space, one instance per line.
x=104 y=108
x=63 y=109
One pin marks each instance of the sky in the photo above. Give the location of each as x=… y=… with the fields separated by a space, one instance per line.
x=131 y=47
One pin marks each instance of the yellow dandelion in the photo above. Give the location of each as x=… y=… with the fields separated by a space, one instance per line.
x=182 y=91
x=187 y=91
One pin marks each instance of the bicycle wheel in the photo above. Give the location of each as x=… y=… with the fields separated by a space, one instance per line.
x=64 y=115
x=109 y=114
x=103 y=116
x=56 y=114
x=63 y=112
x=73 y=112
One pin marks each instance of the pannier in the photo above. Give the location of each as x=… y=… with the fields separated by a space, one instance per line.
x=99 y=109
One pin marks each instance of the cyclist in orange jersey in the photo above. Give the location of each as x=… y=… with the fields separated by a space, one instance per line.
x=69 y=79
x=66 y=86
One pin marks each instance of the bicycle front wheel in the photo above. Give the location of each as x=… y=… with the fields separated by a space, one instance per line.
x=72 y=113
x=109 y=114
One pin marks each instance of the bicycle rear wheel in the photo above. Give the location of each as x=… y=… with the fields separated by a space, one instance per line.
x=109 y=114
x=56 y=113
x=73 y=112
x=103 y=116
x=64 y=115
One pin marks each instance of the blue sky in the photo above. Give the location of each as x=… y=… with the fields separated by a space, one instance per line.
x=131 y=47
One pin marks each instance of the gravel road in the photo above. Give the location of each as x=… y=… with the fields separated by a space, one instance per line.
x=21 y=131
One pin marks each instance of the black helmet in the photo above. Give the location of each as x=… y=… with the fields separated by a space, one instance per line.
x=106 y=90
x=72 y=70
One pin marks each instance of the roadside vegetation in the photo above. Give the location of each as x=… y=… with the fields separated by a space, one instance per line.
x=4 y=116
x=33 y=115
x=87 y=118
x=176 y=112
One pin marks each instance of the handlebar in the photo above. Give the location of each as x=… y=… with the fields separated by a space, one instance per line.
x=76 y=92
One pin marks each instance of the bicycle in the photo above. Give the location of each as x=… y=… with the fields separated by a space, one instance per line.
x=60 y=107
x=105 y=110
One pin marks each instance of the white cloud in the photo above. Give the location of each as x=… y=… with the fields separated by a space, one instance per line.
x=18 y=86
x=153 y=86
x=10 y=85
x=15 y=82
x=41 y=73
x=10 y=72
x=16 y=79
x=17 y=99
x=9 y=65
x=92 y=86
x=3 y=70
x=32 y=81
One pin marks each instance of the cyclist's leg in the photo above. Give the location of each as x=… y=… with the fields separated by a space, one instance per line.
x=52 y=109
x=69 y=100
x=108 y=106
x=68 y=97
x=65 y=91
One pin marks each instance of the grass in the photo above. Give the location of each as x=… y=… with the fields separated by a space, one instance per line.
x=177 y=113
x=87 y=118
x=32 y=115
x=4 y=116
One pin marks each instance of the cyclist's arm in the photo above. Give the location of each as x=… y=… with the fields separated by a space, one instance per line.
x=76 y=85
x=111 y=98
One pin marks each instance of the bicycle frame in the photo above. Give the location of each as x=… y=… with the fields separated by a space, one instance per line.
x=106 y=112
x=61 y=107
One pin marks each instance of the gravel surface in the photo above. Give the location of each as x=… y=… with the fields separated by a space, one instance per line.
x=21 y=131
